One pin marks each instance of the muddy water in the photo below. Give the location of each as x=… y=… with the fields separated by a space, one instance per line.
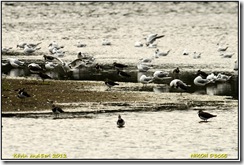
x=149 y=135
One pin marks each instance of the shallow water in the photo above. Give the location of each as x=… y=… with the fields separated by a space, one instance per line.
x=147 y=135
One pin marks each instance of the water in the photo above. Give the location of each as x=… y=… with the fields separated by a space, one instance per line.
x=148 y=135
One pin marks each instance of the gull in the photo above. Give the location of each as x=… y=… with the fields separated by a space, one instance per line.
x=145 y=80
x=35 y=68
x=78 y=63
x=160 y=75
x=222 y=77
x=162 y=53
x=58 y=52
x=205 y=115
x=185 y=52
x=29 y=50
x=200 y=81
x=180 y=85
x=15 y=63
x=22 y=45
x=85 y=56
x=6 y=49
x=227 y=55
x=138 y=44
x=142 y=67
x=105 y=42
x=146 y=60
x=50 y=66
x=80 y=45
x=222 y=48
x=211 y=77
x=153 y=45
x=120 y=122
x=151 y=38
x=53 y=45
x=110 y=83
x=196 y=55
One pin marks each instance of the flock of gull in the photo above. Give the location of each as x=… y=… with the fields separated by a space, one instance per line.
x=50 y=62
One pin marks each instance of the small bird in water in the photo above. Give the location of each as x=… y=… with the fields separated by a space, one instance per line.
x=120 y=122
x=205 y=115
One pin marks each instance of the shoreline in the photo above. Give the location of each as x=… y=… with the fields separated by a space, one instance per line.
x=87 y=97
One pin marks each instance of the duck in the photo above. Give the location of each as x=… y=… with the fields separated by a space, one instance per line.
x=120 y=122
x=205 y=115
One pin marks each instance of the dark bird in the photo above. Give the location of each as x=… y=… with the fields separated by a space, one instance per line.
x=98 y=67
x=49 y=58
x=204 y=115
x=110 y=83
x=123 y=74
x=120 y=122
x=204 y=75
x=44 y=76
x=22 y=94
x=56 y=110
x=176 y=73
x=152 y=38
x=119 y=66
